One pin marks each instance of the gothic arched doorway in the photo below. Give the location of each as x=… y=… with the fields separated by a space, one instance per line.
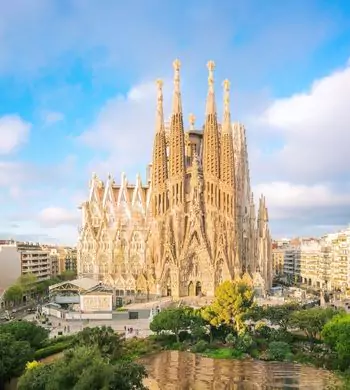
x=198 y=288
x=191 y=289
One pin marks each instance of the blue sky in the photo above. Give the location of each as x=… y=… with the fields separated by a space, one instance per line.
x=77 y=95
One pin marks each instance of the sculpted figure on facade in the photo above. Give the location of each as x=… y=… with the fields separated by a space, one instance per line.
x=193 y=224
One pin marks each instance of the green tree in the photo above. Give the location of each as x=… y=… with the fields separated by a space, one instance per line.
x=104 y=338
x=312 y=321
x=232 y=301
x=278 y=315
x=13 y=357
x=14 y=294
x=172 y=320
x=211 y=320
x=83 y=369
x=336 y=333
x=34 y=334
x=68 y=275
x=27 y=280
x=36 y=378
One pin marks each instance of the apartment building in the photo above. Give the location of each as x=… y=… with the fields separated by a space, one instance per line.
x=71 y=259
x=20 y=258
x=340 y=263
x=35 y=260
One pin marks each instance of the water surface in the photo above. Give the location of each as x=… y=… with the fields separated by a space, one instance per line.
x=175 y=370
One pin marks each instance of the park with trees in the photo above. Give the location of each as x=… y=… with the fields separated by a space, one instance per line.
x=232 y=327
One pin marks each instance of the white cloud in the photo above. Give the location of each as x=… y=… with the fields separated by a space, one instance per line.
x=315 y=126
x=13 y=132
x=124 y=128
x=287 y=200
x=52 y=217
x=52 y=117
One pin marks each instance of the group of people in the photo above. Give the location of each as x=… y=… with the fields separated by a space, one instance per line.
x=131 y=331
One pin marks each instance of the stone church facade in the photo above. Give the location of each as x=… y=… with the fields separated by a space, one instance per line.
x=193 y=224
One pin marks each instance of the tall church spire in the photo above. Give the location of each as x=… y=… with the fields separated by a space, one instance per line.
x=177 y=105
x=177 y=143
x=227 y=156
x=159 y=163
x=160 y=111
x=211 y=162
x=211 y=106
x=226 y=123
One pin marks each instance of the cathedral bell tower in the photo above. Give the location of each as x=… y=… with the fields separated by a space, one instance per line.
x=160 y=201
x=177 y=168
x=211 y=147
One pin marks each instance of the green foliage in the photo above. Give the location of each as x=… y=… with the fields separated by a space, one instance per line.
x=200 y=346
x=36 y=378
x=232 y=301
x=336 y=333
x=83 y=369
x=26 y=331
x=231 y=339
x=312 y=321
x=223 y=353
x=14 y=294
x=244 y=342
x=277 y=315
x=67 y=275
x=171 y=320
x=108 y=342
x=279 y=350
x=135 y=348
x=14 y=356
x=27 y=280
x=52 y=349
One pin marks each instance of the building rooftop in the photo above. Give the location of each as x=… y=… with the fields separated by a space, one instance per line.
x=83 y=283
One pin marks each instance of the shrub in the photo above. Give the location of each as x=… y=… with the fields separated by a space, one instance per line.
x=263 y=331
x=52 y=349
x=231 y=339
x=279 y=350
x=245 y=342
x=200 y=346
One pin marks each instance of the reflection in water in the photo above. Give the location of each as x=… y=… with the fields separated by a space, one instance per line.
x=174 y=370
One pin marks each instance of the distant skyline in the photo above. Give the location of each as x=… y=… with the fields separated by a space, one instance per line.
x=78 y=95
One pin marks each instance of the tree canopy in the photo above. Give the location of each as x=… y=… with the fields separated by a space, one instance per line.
x=14 y=293
x=336 y=333
x=26 y=331
x=83 y=368
x=312 y=321
x=14 y=355
x=108 y=342
x=232 y=301
x=172 y=320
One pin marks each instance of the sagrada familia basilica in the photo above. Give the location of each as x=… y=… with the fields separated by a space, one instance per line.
x=193 y=224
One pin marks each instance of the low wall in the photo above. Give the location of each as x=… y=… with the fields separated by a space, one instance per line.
x=51 y=311
x=87 y=316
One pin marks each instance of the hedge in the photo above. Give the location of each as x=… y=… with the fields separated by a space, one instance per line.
x=52 y=349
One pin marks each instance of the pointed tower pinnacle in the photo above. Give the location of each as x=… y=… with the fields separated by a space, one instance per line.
x=211 y=106
x=227 y=126
x=159 y=173
x=177 y=106
x=227 y=157
x=211 y=144
x=160 y=112
x=192 y=120
x=177 y=144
